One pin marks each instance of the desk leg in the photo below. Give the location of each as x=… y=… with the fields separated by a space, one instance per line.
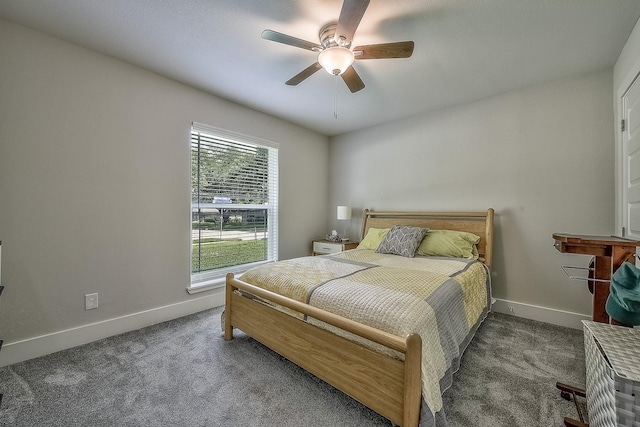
x=605 y=266
x=622 y=254
x=601 y=289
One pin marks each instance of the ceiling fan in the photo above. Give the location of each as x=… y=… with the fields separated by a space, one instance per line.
x=334 y=51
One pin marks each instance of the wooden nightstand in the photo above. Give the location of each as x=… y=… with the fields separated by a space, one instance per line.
x=322 y=247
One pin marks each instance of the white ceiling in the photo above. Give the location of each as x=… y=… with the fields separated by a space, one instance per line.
x=464 y=49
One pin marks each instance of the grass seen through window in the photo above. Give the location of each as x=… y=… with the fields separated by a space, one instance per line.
x=213 y=253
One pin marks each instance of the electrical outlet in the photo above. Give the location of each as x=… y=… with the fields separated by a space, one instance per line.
x=90 y=301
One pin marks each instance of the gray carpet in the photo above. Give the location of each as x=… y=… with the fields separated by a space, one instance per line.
x=182 y=373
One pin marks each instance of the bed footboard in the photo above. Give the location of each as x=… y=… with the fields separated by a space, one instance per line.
x=389 y=386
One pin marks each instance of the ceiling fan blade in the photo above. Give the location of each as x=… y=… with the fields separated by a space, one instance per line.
x=384 y=50
x=353 y=80
x=290 y=40
x=307 y=72
x=350 y=17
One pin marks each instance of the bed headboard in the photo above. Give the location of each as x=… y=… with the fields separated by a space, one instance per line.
x=478 y=223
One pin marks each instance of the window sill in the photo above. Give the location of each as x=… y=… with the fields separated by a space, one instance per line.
x=207 y=285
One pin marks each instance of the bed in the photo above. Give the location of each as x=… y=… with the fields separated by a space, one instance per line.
x=379 y=364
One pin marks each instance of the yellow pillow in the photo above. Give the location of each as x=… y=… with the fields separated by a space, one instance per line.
x=373 y=238
x=458 y=244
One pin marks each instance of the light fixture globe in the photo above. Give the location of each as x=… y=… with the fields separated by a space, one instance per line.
x=336 y=60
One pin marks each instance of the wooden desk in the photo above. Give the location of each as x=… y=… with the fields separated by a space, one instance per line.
x=609 y=252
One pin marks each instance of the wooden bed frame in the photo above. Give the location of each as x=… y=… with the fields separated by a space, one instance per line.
x=389 y=386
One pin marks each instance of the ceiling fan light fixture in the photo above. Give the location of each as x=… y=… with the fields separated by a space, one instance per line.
x=336 y=59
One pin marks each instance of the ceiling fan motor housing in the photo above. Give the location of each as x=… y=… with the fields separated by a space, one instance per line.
x=328 y=37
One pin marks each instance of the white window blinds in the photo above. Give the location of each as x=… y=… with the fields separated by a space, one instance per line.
x=234 y=202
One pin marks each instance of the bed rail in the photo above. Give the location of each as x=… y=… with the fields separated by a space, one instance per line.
x=372 y=334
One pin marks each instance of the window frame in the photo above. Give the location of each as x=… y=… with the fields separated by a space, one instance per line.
x=215 y=278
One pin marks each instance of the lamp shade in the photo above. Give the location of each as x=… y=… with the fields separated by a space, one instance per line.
x=336 y=59
x=344 y=212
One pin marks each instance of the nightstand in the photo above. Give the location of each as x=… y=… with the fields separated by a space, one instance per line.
x=322 y=247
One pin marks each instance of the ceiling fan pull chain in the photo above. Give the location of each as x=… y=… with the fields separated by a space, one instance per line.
x=335 y=96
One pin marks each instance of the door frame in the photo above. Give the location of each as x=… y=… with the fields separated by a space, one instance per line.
x=623 y=87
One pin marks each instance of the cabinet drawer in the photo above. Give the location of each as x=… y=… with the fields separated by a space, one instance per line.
x=327 y=247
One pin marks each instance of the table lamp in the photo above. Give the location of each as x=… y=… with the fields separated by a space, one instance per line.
x=344 y=214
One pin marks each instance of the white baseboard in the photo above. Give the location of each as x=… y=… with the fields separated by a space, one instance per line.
x=542 y=314
x=39 y=346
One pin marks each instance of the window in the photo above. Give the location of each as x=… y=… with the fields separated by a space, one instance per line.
x=234 y=203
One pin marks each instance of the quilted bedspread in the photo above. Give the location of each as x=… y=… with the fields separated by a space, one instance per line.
x=442 y=299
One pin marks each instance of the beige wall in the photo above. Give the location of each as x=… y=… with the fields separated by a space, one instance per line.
x=542 y=157
x=629 y=60
x=95 y=181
